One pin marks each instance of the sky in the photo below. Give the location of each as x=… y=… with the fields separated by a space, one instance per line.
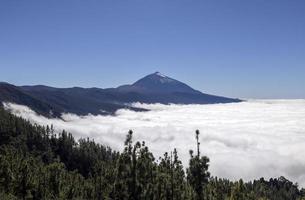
x=236 y=48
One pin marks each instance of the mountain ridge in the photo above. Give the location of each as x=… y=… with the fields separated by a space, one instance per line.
x=153 y=88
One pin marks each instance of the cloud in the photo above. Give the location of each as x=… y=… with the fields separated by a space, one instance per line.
x=245 y=140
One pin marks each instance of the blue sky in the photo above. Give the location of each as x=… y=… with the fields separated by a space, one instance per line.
x=238 y=48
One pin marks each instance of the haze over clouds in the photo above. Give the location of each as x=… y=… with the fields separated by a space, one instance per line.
x=262 y=138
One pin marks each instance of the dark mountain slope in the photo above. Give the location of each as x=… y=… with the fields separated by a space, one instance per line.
x=11 y=93
x=79 y=100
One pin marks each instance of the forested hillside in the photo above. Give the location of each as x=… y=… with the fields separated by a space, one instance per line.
x=38 y=163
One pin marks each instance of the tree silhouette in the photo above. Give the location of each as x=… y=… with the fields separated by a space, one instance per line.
x=197 y=173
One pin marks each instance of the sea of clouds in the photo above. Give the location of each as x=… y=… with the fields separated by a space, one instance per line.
x=249 y=140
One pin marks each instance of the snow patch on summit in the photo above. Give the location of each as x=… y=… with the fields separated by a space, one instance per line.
x=160 y=74
x=163 y=78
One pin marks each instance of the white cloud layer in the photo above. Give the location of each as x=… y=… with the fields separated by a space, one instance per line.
x=249 y=140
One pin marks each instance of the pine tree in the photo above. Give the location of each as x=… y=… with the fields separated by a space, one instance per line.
x=197 y=173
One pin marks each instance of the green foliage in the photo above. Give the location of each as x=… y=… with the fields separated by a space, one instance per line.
x=197 y=173
x=37 y=163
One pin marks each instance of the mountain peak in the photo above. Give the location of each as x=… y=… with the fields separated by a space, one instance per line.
x=160 y=83
x=157 y=77
x=159 y=74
